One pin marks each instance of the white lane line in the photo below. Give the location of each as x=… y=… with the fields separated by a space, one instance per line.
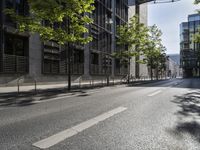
x=155 y=93
x=57 y=138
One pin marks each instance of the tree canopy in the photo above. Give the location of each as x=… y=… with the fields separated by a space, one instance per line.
x=196 y=37
x=130 y=35
x=59 y=20
x=154 y=51
x=197 y=1
x=136 y=39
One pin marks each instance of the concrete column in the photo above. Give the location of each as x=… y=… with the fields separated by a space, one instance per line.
x=131 y=13
x=86 y=59
x=35 y=56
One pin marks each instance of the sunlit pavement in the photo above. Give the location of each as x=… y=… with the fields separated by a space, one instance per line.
x=161 y=115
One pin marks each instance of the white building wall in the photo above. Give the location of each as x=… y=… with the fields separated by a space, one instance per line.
x=143 y=19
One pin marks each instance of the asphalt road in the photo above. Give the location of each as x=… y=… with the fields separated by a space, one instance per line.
x=158 y=116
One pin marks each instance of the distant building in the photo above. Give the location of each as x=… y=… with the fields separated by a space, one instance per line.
x=189 y=50
x=173 y=66
x=175 y=58
x=173 y=69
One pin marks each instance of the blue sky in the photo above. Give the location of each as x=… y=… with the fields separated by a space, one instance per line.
x=168 y=17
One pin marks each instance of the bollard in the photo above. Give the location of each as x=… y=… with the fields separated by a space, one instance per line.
x=35 y=87
x=79 y=83
x=18 y=89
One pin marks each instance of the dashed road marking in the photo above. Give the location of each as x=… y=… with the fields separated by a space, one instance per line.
x=154 y=93
x=59 y=137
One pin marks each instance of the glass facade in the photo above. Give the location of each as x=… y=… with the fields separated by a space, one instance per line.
x=101 y=30
x=107 y=15
x=189 y=49
x=14 y=47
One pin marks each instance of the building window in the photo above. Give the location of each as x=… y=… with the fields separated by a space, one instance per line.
x=78 y=56
x=15 y=58
x=51 y=56
x=9 y=4
x=94 y=58
x=15 y=45
x=20 y=6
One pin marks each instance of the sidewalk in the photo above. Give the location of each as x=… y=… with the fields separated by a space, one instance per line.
x=62 y=86
x=49 y=87
x=9 y=97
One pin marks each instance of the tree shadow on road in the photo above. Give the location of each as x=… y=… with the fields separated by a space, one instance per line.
x=28 y=98
x=188 y=115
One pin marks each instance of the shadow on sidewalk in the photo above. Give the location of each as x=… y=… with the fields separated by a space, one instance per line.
x=188 y=115
x=28 y=98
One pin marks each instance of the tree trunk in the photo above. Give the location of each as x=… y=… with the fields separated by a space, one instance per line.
x=128 y=80
x=69 y=67
x=151 y=69
x=157 y=73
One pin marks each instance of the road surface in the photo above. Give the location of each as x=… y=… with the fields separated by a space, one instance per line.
x=164 y=115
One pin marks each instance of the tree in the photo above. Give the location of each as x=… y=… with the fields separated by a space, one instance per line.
x=196 y=37
x=154 y=51
x=196 y=1
x=62 y=21
x=130 y=35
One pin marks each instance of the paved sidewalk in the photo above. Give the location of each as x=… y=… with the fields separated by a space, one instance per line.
x=63 y=86
x=31 y=88
x=9 y=97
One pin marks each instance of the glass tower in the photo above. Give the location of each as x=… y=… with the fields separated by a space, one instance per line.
x=189 y=50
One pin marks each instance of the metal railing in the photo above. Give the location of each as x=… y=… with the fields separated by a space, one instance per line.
x=18 y=85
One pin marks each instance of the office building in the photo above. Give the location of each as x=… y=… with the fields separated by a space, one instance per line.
x=26 y=56
x=189 y=50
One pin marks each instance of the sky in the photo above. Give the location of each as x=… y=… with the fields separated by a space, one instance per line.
x=168 y=17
